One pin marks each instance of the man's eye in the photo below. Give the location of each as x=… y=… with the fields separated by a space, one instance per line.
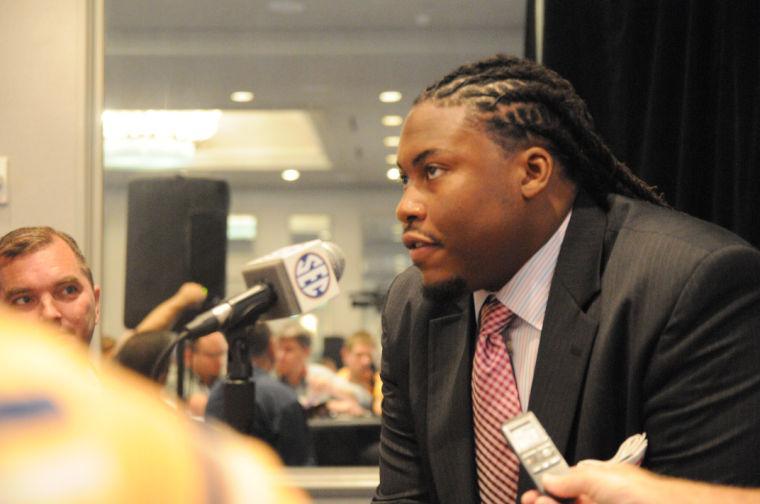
x=433 y=171
x=404 y=179
x=69 y=290
x=21 y=300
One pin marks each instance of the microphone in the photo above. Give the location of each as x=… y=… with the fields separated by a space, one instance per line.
x=289 y=281
x=303 y=276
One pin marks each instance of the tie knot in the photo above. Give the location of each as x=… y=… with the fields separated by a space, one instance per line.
x=494 y=313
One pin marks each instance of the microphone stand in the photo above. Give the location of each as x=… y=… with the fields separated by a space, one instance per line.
x=239 y=390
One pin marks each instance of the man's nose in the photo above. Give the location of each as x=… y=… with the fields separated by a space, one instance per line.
x=410 y=207
x=49 y=309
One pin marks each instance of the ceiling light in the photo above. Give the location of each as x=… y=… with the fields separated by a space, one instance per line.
x=393 y=174
x=245 y=140
x=390 y=141
x=175 y=125
x=390 y=96
x=391 y=159
x=392 y=120
x=148 y=139
x=291 y=175
x=242 y=96
x=310 y=322
x=422 y=19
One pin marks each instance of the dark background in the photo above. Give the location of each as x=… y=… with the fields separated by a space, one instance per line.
x=674 y=88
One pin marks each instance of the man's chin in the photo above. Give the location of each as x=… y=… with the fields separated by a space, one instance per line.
x=444 y=291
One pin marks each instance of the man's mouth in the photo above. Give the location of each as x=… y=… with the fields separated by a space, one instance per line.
x=420 y=246
x=415 y=245
x=414 y=240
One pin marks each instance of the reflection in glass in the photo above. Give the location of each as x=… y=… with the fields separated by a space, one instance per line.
x=317 y=70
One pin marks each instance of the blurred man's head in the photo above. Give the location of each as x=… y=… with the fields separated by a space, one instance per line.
x=141 y=353
x=292 y=354
x=260 y=344
x=44 y=276
x=207 y=357
x=358 y=355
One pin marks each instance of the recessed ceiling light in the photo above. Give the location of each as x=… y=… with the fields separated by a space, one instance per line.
x=310 y=322
x=390 y=141
x=422 y=19
x=241 y=96
x=390 y=96
x=291 y=175
x=393 y=174
x=391 y=159
x=392 y=120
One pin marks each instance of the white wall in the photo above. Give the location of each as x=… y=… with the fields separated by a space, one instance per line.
x=50 y=89
x=46 y=111
x=272 y=209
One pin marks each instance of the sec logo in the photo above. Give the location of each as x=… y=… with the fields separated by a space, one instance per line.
x=312 y=275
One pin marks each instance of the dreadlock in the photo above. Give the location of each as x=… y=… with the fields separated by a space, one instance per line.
x=520 y=101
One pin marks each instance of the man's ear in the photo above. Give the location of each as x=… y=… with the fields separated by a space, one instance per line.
x=96 y=294
x=538 y=167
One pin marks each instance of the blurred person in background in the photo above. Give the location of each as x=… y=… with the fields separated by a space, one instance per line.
x=358 y=354
x=107 y=346
x=320 y=391
x=205 y=362
x=163 y=317
x=278 y=417
x=142 y=351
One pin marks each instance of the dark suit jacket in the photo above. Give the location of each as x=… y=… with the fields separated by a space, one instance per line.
x=652 y=325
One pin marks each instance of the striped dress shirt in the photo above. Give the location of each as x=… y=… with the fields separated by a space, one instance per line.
x=526 y=295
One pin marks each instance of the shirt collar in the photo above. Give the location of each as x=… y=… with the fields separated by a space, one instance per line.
x=527 y=292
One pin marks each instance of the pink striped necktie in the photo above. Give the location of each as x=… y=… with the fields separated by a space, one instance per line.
x=495 y=399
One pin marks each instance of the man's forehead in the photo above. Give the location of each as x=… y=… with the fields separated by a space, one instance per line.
x=53 y=263
x=288 y=341
x=362 y=347
x=427 y=118
x=213 y=341
x=432 y=129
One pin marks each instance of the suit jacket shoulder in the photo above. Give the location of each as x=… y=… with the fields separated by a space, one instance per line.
x=676 y=302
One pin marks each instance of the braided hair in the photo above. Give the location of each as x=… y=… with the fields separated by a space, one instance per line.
x=520 y=101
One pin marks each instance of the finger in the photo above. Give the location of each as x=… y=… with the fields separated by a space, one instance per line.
x=571 y=484
x=529 y=497
x=545 y=499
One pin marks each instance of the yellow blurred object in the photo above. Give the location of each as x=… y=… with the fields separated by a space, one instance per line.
x=69 y=434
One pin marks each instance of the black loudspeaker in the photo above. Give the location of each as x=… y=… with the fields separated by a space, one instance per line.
x=176 y=232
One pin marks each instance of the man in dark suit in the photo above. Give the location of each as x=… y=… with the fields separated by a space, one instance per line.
x=623 y=316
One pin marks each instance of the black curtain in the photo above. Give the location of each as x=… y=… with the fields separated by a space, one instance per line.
x=674 y=87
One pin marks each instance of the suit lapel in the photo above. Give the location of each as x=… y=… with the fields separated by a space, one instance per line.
x=570 y=325
x=449 y=409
